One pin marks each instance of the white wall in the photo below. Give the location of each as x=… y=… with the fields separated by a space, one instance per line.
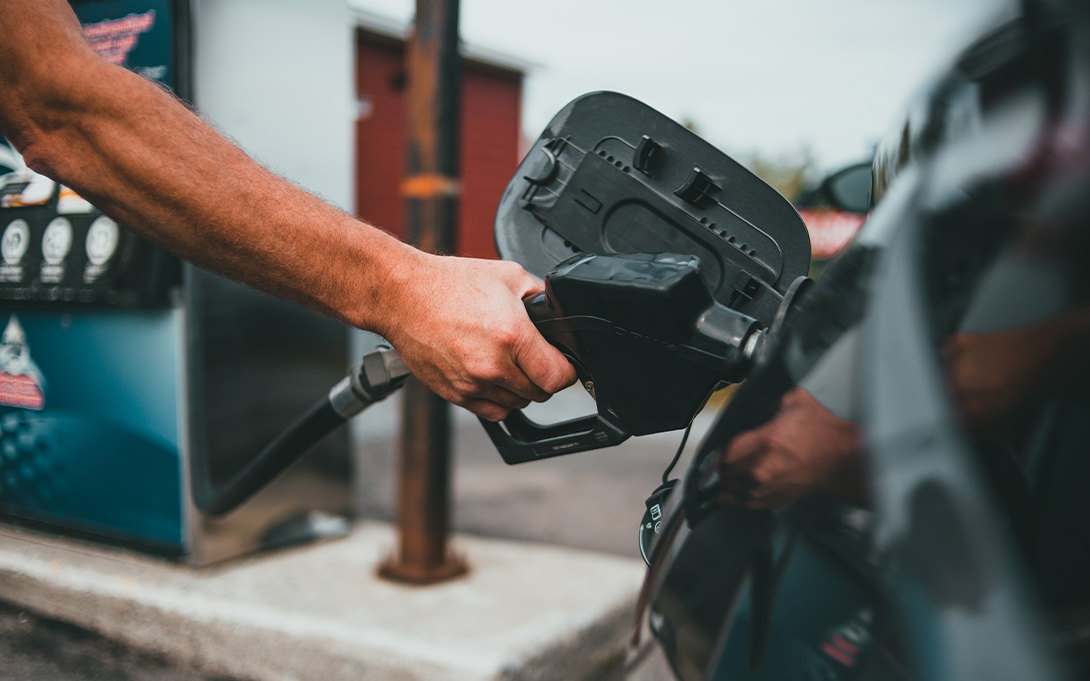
x=276 y=76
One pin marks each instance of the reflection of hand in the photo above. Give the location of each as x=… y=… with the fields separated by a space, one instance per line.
x=992 y=374
x=805 y=450
x=461 y=326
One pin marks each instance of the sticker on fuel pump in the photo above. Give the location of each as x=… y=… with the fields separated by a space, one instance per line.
x=101 y=244
x=21 y=383
x=114 y=39
x=56 y=242
x=13 y=246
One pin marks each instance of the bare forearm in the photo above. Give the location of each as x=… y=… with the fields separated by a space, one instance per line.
x=181 y=184
x=143 y=158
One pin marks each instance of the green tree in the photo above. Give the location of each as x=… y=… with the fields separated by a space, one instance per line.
x=787 y=173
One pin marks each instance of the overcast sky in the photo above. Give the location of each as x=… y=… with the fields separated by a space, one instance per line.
x=774 y=76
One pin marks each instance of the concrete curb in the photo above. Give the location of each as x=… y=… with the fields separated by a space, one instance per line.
x=525 y=612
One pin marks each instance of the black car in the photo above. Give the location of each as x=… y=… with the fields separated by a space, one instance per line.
x=955 y=331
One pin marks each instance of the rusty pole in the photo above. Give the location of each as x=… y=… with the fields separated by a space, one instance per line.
x=431 y=203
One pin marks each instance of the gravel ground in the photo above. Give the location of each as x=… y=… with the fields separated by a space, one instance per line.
x=37 y=649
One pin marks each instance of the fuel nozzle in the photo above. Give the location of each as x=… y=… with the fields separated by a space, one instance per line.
x=379 y=374
x=648 y=341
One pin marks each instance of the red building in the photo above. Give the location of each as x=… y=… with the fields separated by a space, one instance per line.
x=492 y=94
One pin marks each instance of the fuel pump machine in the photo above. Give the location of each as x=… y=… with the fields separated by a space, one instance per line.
x=123 y=372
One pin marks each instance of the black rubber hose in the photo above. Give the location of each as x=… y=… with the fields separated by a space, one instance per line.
x=288 y=447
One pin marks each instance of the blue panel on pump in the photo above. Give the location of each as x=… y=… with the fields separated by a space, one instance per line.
x=97 y=446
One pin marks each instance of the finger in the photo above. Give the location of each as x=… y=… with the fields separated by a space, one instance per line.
x=796 y=398
x=511 y=381
x=759 y=502
x=501 y=396
x=527 y=284
x=738 y=485
x=544 y=366
x=790 y=399
x=747 y=501
x=487 y=401
x=743 y=446
x=489 y=411
x=769 y=501
x=481 y=393
x=733 y=499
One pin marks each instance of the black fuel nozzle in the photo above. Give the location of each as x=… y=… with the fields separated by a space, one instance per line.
x=647 y=340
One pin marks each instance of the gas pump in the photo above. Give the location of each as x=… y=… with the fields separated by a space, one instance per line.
x=123 y=372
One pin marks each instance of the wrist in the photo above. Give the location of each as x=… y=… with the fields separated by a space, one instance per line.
x=384 y=294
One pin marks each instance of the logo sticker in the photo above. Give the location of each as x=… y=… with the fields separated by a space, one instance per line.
x=13 y=246
x=57 y=241
x=102 y=240
x=14 y=243
x=114 y=39
x=21 y=384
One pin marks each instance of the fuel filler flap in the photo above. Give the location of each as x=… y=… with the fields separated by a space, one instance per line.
x=610 y=175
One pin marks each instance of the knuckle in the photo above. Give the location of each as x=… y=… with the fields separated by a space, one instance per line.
x=511 y=268
x=509 y=333
x=455 y=397
x=553 y=383
x=481 y=370
x=465 y=388
x=493 y=412
x=520 y=403
x=760 y=476
x=493 y=374
x=774 y=440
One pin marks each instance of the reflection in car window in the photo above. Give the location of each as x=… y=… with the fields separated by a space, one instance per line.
x=1011 y=316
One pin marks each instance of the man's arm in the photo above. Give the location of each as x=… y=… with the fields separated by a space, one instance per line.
x=139 y=155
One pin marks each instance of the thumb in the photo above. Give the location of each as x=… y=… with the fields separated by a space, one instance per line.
x=526 y=284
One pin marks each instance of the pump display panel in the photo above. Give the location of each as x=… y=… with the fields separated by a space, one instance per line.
x=55 y=246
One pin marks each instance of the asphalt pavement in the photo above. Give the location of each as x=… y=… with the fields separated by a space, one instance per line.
x=37 y=649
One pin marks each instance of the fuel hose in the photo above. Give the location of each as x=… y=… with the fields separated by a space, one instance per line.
x=379 y=375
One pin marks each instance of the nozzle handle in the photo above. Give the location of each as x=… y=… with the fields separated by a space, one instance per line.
x=519 y=439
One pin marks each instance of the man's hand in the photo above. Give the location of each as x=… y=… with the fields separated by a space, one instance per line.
x=805 y=450
x=461 y=326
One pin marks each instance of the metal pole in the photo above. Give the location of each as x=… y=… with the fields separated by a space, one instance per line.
x=431 y=203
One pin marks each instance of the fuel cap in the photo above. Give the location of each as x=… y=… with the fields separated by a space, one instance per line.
x=610 y=175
